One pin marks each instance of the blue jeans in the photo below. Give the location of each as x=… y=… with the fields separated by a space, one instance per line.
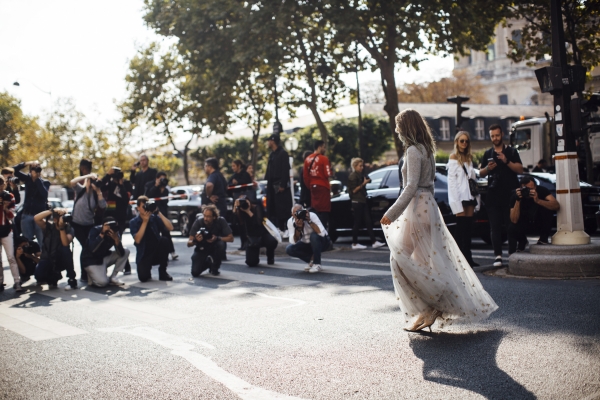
x=29 y=228
x=304 y=251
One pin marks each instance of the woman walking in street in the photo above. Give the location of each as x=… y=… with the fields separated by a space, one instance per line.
x=432 y=278
x=357 y=189
x=462 y=202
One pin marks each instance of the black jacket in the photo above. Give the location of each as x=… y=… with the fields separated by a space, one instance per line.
x=97 y=247
x=36 y=192
x=155 y=191
x=279 y=204
x=117 y=198
x=139 y=180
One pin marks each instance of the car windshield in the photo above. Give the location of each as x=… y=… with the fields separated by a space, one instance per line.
x=552 y=178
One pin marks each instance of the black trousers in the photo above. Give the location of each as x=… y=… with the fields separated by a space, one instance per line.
x=517 y=233
x=361 y=214
x=122 y=228
x=253 y=253
x=81 y=234
x=200 y=261
x=157 y=255
x=50 y=270
x=498 y=210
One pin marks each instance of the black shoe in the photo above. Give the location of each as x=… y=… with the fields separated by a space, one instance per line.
x=73 y=283
x=215 y=272
x=165 y=277
x=2 y=287
x=270 y=261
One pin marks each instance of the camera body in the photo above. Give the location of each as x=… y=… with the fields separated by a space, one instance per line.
x=301 y=214
x=525 y=192
x=67 y=218
x=112 y=225
x=96 y=183
x=150 y=206
x=6 y=196
x=14 y=180
x=117 y=173
x=243 y=203
x=163 y=182
x=206 y=235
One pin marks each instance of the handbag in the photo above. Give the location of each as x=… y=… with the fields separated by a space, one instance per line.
x=473 y=188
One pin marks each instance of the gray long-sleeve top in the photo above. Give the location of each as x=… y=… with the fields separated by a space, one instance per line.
x=418 y=172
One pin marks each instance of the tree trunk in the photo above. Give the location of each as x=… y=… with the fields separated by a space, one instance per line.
x=391 y=102
x=255 y=135
x=186 y=172
x=320 y=124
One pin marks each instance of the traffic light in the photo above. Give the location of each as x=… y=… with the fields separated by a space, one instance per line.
x=458 y=100
x=580 y=115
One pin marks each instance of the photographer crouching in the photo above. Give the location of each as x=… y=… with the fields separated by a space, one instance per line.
x=531 y=209
x=309 y=238
x=56 y=248
x=209 y=234
x=251 y=216
x=27 y=254
x=160 y=189
x=152 y=247
x=96 y=256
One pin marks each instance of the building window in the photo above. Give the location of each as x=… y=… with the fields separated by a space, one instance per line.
x=445 y=129
x=503 y=99
x=470 y=59
x=479 y=129
x=517 y=37
x=491 y=52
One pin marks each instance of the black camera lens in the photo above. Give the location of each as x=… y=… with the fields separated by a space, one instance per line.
x=525 y=192
x=67 y=218
x=150 y=206
x=301 y=214
x=14 y=180
x=163 y=182
x=6 y=196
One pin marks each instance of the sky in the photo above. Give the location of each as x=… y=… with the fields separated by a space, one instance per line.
x=81 y=49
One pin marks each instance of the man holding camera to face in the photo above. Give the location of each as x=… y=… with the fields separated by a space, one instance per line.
x=156 y=189
x=309 y=238
x=250 y=215
x=500 y=164
x=531 y=209
x=36 y=198
x=89 y=205
x=209 y=234
x=12 y=183
x=152 y=247
x=27 y=254
x=7 y=213
x=97 y=256
x=56 y=249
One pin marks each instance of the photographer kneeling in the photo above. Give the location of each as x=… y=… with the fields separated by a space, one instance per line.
x=27 y=254
x=251 y=223
x=56 y=248
x=96 y=255
x=531 y=209
x=152 y=247
x=209 y=234
x=309 y=238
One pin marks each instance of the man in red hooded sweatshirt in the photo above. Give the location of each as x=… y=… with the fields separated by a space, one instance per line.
x=316 y=174
x=7 y=214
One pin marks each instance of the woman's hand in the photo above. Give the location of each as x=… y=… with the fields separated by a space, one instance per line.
x=385 y=221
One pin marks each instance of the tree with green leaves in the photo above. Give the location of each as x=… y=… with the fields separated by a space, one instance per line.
x=533 y=42
x=404 y=32
x=16 y=129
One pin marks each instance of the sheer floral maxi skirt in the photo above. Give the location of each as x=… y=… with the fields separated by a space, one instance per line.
x=429 y=270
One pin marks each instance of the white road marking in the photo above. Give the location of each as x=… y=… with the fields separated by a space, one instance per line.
x=358 y=262
x=327 y=269
x=180 y=348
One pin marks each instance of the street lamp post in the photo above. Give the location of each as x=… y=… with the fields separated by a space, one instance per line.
x=291 y=145
x=277 y=127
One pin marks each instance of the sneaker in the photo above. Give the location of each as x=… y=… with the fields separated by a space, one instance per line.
x=17 y=286
x=378 y=244
x=116 y=282
x=270 y=261
x=316 y=268
x=285 y=234
x=52 y=285
x=165 y=277
x=308 y=266
x=2 y=287
x=359 y=246
x=498 y=261
x=73 y=283
x=174 y=256
x=215 y=272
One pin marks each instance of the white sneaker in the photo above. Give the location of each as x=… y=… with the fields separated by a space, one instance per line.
x=378 y=244
x=174 y=256
x=316 y=268
x=285 y=234
x=116 y=282
x=498 y=261
x=358 y=246
x=308 y=266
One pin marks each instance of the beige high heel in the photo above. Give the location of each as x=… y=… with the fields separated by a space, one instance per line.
x=430 y=320
x=416 y=325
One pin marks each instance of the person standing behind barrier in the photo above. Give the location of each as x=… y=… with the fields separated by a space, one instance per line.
x=251 y=217
x=241 y=177
x=160 y=188
x=36 y=199
x=462 y=202
x=141 y=178
x=304 y=190
x=215 y=189
x=279 y=198
x=357 y=190
x=316 y=174
x=502 y=164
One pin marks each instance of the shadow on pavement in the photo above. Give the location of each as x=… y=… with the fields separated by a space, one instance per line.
x=467 y=361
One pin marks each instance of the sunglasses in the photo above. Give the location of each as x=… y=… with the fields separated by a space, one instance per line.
x=464 y=141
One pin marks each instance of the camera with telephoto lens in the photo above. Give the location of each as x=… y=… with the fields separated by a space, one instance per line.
x=14 y=180
x=163 y=182
x=302 y=214
x=6 y=196
x=150 y=206
x=525 y=192
x=206 y=235
x=243 y=204
x=67 y=218
x=112 y=225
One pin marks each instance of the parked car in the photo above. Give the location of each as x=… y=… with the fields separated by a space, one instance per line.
x=68 y=204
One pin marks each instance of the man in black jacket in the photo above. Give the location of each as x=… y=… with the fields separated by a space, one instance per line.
x=279 y=198
x=156 y=189
x=141 y=178
x=97 y=256
x=36 y=198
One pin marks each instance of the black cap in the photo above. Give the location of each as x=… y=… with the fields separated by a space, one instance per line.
x=274 y=137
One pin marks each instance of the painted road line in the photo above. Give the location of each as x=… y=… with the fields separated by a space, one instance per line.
x=183 y=348
x=327 y=269
x=358 y=262
x=34 y=326
x=136 y=310
x=259 y=278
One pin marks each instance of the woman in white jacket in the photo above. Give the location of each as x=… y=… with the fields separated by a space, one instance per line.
x=462 y=202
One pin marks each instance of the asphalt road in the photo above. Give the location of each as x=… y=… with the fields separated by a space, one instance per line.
x=278 y=332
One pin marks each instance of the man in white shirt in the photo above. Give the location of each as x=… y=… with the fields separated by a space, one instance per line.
x=308 y=238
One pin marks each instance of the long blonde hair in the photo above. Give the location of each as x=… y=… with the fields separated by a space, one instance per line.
x=465 y=157
x=413 y=130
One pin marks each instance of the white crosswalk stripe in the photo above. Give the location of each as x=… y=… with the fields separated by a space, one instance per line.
x=327 y=269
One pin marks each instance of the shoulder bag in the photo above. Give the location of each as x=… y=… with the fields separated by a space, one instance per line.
x=472 y=183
